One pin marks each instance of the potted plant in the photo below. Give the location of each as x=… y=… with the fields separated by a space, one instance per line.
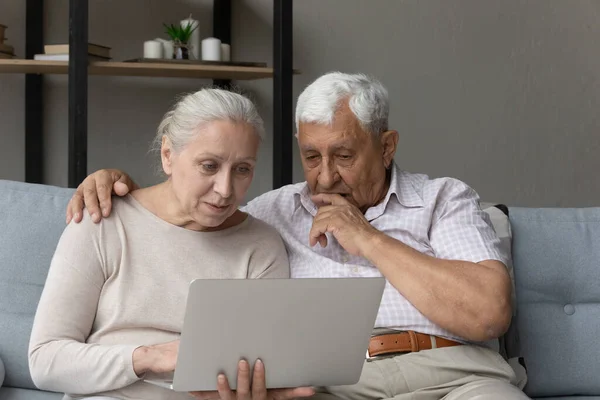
x=180 y=36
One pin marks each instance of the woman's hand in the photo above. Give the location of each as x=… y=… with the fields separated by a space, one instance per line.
x=159 y=358
x=256 y=391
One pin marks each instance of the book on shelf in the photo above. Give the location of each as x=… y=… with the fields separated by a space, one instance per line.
x=4 y=48
x=6 y=55
x=2 y=29
x=93 y=49
x=65 y=57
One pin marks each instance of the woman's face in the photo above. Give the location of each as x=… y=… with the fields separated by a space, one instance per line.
x=211 y=175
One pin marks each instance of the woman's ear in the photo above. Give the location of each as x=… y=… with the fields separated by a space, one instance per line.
x=389 y=143
x=166 y=155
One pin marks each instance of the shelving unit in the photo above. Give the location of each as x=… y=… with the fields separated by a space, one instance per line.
x=139 y=69
x=78 y=70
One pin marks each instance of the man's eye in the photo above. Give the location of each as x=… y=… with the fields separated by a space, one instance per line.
x=344 y=156
x=243 y=170
x=311 y=157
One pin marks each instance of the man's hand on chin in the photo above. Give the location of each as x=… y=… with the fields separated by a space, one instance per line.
x=344 y=221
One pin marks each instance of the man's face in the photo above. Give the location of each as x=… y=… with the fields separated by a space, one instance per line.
x=342 y=158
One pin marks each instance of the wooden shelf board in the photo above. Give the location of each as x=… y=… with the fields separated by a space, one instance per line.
x=139 y=69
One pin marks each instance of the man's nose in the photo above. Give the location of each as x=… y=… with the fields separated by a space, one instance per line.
x=328 y=175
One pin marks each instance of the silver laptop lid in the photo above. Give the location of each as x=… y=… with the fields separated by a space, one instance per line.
x=308 y=332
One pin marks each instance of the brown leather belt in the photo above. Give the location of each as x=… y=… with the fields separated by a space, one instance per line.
x=405 y=342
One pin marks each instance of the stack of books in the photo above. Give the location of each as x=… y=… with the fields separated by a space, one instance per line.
x=6 y=51
x=60 y=52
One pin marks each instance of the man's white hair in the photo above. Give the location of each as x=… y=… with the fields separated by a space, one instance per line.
x=366 y=96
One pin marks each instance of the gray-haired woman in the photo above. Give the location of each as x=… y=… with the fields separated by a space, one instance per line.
x=113 y=303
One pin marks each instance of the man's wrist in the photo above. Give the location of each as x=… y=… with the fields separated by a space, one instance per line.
x=372 y=244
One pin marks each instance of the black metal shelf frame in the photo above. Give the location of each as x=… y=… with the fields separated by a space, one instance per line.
x=78 y=88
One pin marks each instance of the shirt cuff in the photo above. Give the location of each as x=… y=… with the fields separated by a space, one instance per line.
x=127 y=354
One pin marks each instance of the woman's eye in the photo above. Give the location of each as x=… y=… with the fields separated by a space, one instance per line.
x=210 y=167
x=243 y=170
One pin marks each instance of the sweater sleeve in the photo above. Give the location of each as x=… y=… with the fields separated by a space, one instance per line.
x=59 y=358
x=270 y=258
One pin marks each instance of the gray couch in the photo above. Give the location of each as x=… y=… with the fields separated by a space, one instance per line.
x=556 y=255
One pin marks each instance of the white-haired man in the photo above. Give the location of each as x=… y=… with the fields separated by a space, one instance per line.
x=448 y=291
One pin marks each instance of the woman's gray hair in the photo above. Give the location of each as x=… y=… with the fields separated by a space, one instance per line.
x=366 y=96
x=193 y=111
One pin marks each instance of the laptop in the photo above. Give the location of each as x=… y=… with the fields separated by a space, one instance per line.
x=308 y=332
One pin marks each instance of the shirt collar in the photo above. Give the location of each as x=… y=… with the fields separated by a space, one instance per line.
x=302 y=199
x=402 y=186
x=401 y=190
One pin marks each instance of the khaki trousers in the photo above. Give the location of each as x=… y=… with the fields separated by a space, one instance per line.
x=450 y=373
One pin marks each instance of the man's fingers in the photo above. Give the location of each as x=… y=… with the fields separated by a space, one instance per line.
x=123 y=183
x=317 y=233
x=90 y=197
x=69 y=214
x=324 y=199
x=325 y=211
x=109 y=182
x=325 y=221
x=104 y=187
x=75 y=207
x=323 y=241
x=69 y=211
x=129 y=182
x=243 y=381
x=94 y=193
x=120 y=188
x=104 y=192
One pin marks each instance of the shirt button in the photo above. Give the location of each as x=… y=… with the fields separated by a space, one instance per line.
x=345 y=259
x=355 y=270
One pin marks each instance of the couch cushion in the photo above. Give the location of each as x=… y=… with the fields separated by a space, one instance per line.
x=32 y=218
x=556 y=256
x=28 y=394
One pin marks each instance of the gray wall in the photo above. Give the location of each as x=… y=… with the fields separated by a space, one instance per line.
x=501 y=94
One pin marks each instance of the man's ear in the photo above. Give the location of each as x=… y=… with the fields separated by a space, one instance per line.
x=166 y=155
x=389 y=143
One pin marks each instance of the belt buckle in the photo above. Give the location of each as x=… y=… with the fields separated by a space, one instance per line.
x=368 y=357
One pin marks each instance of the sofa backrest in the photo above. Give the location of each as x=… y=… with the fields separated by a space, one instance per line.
x=32 y=218
x=556 y=257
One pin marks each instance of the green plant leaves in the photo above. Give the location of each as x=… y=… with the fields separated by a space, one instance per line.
x=179 y=33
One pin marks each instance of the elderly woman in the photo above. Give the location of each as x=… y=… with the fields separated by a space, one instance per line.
x=113 y=304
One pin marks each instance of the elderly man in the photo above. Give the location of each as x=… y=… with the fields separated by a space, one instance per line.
x=359 y=215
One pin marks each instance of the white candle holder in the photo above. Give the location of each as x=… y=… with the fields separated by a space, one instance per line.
x=153 y=49
x=211 y=49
